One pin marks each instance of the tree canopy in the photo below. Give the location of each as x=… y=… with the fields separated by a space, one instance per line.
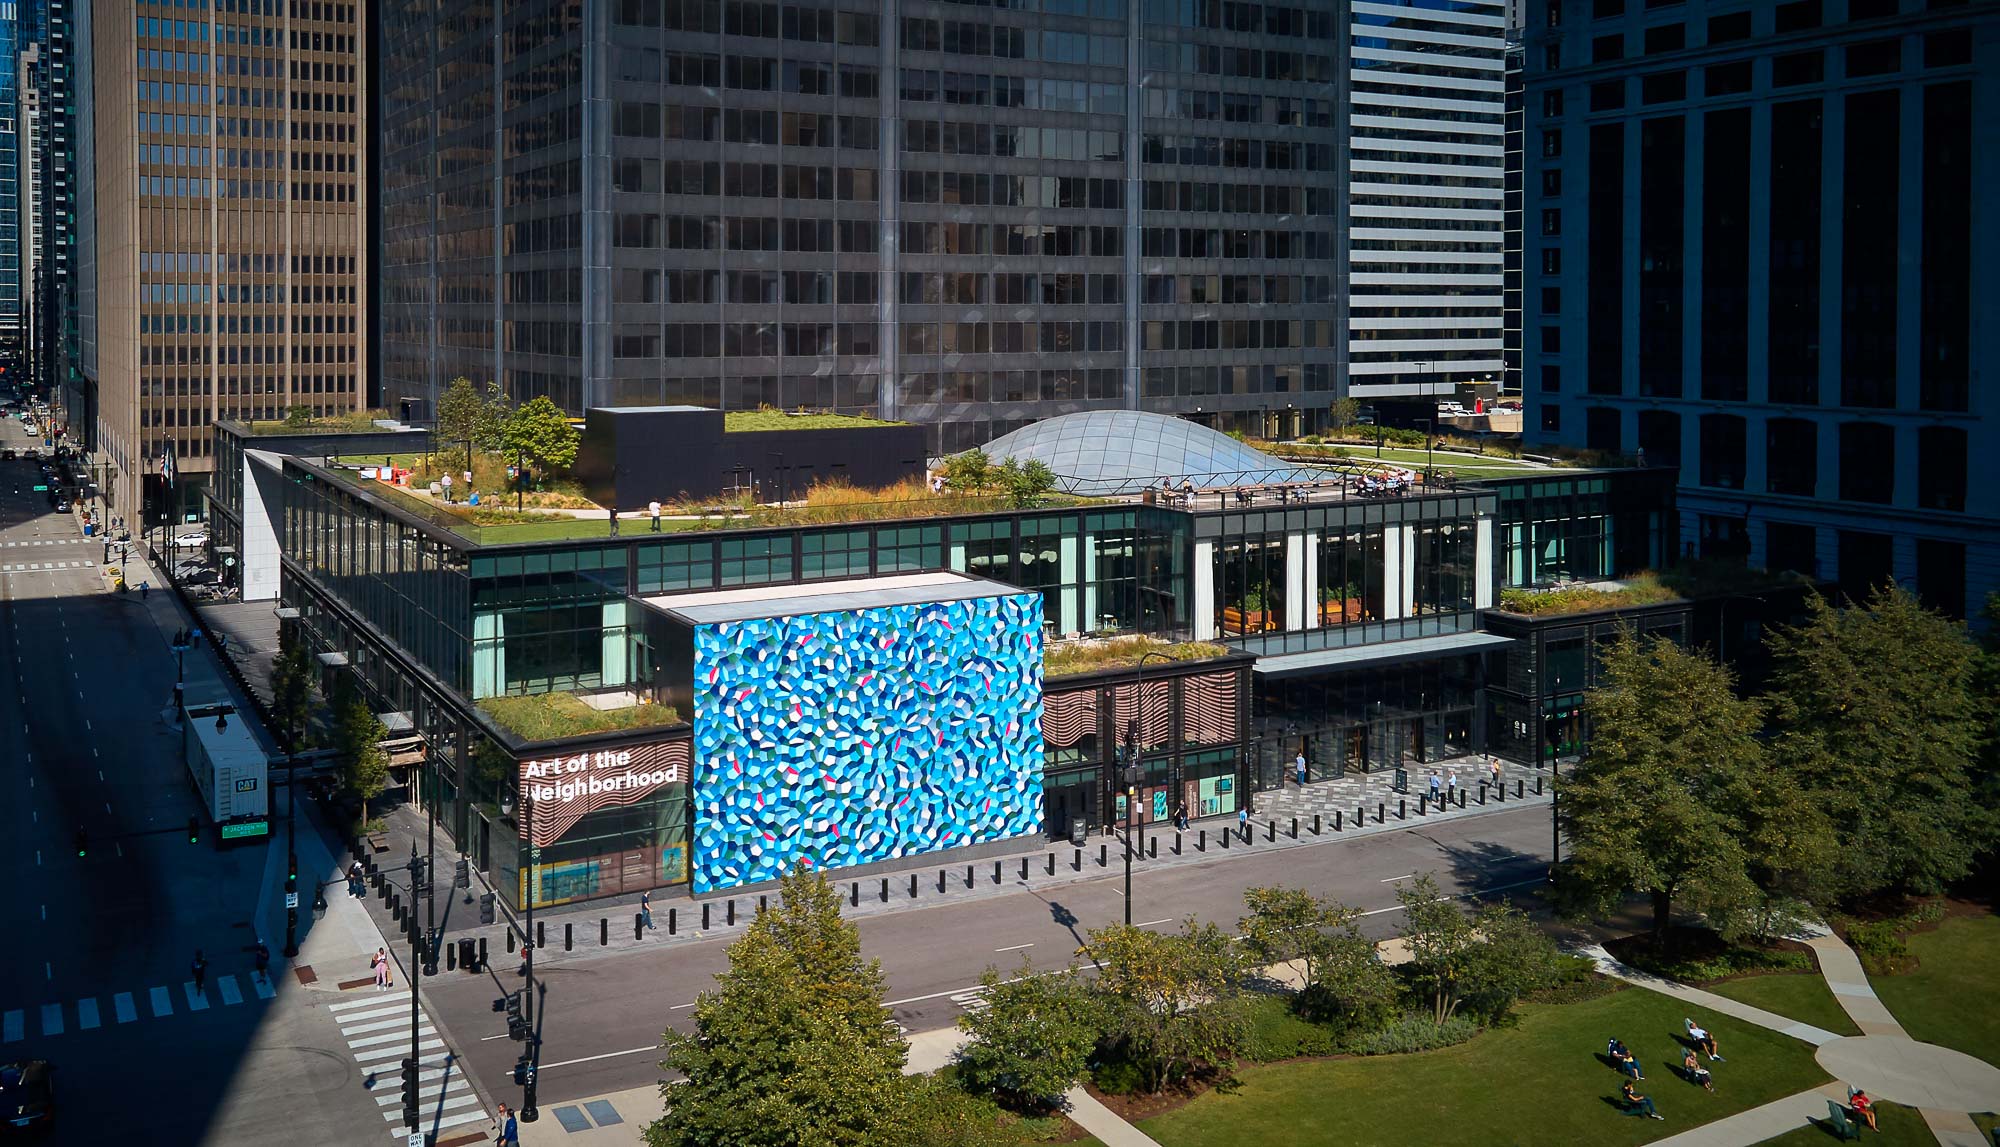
x=1339 y=976
x=1031 y=1037
x=1171 y=997
x=466 y=413
x=358 y=734
x=539 y=431
x=1481 y=963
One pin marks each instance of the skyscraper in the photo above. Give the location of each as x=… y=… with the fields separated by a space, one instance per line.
x=1759 y=248
x=228 y=244
x=15 y=34
x=965 y=215
x=1425 y=183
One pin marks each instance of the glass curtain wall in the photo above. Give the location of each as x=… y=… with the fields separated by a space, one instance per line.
x=1250 y=585
x=549 y=621
x=1350 y=576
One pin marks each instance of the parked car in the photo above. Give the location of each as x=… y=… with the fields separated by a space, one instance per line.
x=27 y=1095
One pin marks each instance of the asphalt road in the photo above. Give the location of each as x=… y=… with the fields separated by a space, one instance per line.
x=94 y=974
x=605 y=1015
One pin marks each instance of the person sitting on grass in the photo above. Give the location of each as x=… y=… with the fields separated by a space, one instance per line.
x=1863 y=1108
x=1696 y=1073
x=1703 y=1039
x=1623 y=1059
x=1637 y=1104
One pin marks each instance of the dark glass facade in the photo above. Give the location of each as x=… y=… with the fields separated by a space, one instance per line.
x=960 y=215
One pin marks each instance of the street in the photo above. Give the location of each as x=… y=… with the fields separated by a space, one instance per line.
x=605 y=1015
x=96 y=973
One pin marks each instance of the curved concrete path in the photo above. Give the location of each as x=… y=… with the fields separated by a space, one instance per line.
x=1941 y=1083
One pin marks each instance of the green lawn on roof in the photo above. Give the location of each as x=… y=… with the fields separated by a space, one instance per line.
x=1538 y=1081
x=741 y=421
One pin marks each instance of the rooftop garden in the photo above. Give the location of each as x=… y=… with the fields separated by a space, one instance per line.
x=301 y=420
x=1063 y=658
x=748 y=421
x=553 y=716
x=1689 y=580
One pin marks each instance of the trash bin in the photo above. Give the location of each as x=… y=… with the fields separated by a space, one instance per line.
x=468 y=954
x=89 y=528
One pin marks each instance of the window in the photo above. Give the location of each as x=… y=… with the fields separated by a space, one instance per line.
x=1606 y=9
x=1552 y=181
x=1607 y=96
x=1552 y=300
x=1665 y=38
x=1603 y=430
x=1660 y=437
x=1552 y=416
x=1605 y=49
x=908 y=548
x=1722 y=451
x=1552 y=220
x=1726 y=79
x=841 y=553
x=1797 y=68
x=1791 y=457
x=1875 y=58
x=756 y=561
x=1867 y=463
x=1663 y=87
x=1552 y=57
x=1798 y=16
x=1941 y=468
x=1552 y=103
x=1870 y=9
x=1729 y=27
x=1867 y=563
x=1552 y=143
x=1552 y=379
x=1791 y=546
x=1948 y=48
x=1552 y=260
x=664 y=569
x=1552 y=340
x=1941 y=575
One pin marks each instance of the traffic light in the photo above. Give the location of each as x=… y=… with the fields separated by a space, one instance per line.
x=486 y=908
x=82 y=843
x=194 y=830
x=517 y=1027
x=524 y=1072
x=409 y=1092
x=416 y=874
x=463 y=877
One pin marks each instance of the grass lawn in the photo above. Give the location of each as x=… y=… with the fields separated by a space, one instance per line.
x=1803 y=996
x=549 y=716
x=1538 y=1081
x=1901 y=1127
x=1949 y=998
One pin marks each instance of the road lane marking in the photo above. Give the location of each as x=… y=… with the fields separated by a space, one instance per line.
x=86 y=1014
x=1015 y=948
x=121 y=1006
x=52 y=1023
x=373 y=1000
x=163 y=1003
x=197 y=1000
x=1464 y=895
x=1150 y=923
x=231 y=994
x=606 y=1055
x=392 y=1037
x=1394 y=879
x=353 y=1017
x=264 y=989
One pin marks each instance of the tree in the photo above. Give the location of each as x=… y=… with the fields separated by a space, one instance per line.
x=793 y=1046
x=970 y=472
x=1025 y=482
x=539 y=431
x=291 y=688
x=1512 y=958
x=467 y=414
x=1340 y=977
x=1344 y=412
x=1171 y=998
x=298 y=416
x=358 y=734
x=1440 y=939
x=1665 y=800
x=1880 y=726
x=1032 y=1036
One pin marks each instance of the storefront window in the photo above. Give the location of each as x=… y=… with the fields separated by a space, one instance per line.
x=1250 y=585
x=1442 y=580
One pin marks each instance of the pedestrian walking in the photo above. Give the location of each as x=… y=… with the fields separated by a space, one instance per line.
x=653 y=508
x=199 y=968
x=646 y=909
x=1495 y=762
x=1300 y=765
x=355 y=885
x=1450 y=787
x=380 y=964
x=262 y=954
x=1243 y=822
x=1436 y=785
x=145 y=589
x=507 y=1133
x=1181 y=817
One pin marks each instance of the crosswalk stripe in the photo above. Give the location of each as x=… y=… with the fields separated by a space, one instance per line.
x=86 y=1014
x=265 y=989
x=52 y=1023
x=197 y=1000
x=392 y=1037
x=163 y=1002
x=429 y=1106
x=12 y=1025
x=451 y=1121
x=377 y=1013
x=423 y=1046
x=121 y=1005
x=371 y=1000
x=351 y=1030
x=425 y=1092
x=231 y=995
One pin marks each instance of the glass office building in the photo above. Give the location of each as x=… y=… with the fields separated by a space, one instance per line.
x=965 y=216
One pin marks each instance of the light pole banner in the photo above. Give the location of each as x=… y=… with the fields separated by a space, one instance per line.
x=559 y=791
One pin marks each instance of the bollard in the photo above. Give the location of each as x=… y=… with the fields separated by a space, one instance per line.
x=1153 y=848
x=1482 y=792
x=997 y=877
x=1422 y=804
x=940 y=881
x=1270 y=830
x=1024 y=869
x=968 y=876
x=569 y=937
x=1052 y=864
x=913 y=886
x=704 y=916
x=541 y=934
x=603 y=931
x=1226 y=834
x=762 y=904
x=885 y=890
x=1538 y=784
x=1403 y=808
x=731 y=911
x=639 y=925
x=1103 y=856
x=1336 y=823
x=1177 y=843
x=1518 y=787
x=673 y=921
x=1461 y=798
x=1201 y=842
x=451 y=957
x=510 y=941
x=1295 y=828
x=854 y=895
x=1381 y=812
x=482 y=950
